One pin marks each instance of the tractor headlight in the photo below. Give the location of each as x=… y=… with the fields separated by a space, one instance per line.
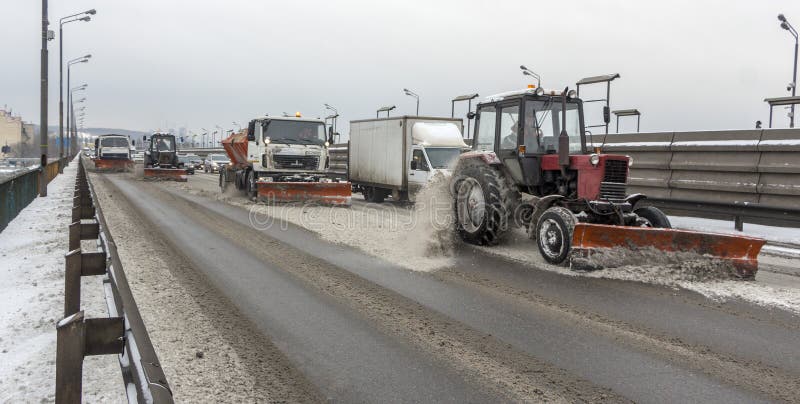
x=327 y=144
x=267 y=140
x=594 y=159
x=630 y=160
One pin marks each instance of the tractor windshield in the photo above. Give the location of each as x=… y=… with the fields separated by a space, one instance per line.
x=295 y=132
x=543 y=126
x=164 y=144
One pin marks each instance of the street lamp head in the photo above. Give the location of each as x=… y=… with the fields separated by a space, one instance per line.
x=781 y=18
x=92 y=12
x=785 y=26
x=522 y=67
x=87 y=18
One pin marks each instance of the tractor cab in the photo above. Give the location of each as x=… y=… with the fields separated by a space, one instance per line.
x=161 y=151
x=521 y=127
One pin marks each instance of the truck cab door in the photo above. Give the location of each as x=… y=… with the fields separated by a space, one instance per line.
x=418 y=170
x=509 y=139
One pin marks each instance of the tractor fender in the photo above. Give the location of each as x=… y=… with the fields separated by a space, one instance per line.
x=633 y=199
x=488 y=157
x=540 y=206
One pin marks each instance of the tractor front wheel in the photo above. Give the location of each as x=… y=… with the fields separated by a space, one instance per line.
x=554 y=234
x=655 y=216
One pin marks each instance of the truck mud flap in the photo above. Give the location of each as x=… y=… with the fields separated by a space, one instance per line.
x=112 y=165
x=323 y=193
x=740 y=251
x=169 y=174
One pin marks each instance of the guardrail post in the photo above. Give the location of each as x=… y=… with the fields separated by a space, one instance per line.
x=738 y=223
x=69 y=359
x=72 y=283
x=76 y=338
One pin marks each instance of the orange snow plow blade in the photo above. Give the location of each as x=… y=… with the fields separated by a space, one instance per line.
x=324 y=193
x=112 y=165
x=740 y=251
x=172 y=174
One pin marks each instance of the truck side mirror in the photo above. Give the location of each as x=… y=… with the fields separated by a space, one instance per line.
x=606 y=114
x=470 y=115
x=330 y=134
x=144 y=139
x=133 y=142
x=413 y=164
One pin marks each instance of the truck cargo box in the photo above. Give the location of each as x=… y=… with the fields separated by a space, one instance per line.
x=380 y=149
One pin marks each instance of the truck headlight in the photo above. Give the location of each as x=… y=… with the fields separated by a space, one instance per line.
x=630 y=160
x=594 y=159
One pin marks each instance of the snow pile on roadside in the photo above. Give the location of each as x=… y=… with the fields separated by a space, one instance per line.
x=420 y=241
x=32 y=250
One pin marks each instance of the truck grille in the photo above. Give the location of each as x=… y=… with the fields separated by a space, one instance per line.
x=613 y=186
x=114 y=156
x=616 y=171
x=296 y=162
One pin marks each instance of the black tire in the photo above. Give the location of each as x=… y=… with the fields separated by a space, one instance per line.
x=378 y=195
x=655 y=216
x=252 y=192
x=554 y=232
x=223 y=182
x=482 y=204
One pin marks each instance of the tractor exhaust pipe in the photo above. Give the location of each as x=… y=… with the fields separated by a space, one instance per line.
x=563 y=138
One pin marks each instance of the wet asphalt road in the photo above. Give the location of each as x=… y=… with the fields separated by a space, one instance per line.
x=645 y=343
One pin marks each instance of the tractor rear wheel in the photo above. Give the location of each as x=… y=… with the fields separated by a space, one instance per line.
x=482 y=205
x=554 y=234
x=655 y=216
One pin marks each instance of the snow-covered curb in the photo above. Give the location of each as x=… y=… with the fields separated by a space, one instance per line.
x=32 y=250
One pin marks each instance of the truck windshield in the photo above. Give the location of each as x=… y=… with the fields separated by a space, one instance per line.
x=543 y=125
x=114 y=142
x=219 y=157
x=296 y=132
x=442 y=157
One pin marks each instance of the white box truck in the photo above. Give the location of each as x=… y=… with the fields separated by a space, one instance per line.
x=396 y=156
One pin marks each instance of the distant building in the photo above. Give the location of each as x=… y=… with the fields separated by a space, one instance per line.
x=16 y=133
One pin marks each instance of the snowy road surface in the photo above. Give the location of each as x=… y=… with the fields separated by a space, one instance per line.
x=353 y=307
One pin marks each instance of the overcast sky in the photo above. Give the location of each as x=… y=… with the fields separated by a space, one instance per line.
x=687 y=65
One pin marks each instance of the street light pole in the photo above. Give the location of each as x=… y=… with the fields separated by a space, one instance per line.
x=412 y=94
x=785 y=25
x=61 y=23
x=82 y=59
x=43 y=103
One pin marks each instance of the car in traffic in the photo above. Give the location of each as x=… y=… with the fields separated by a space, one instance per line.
x=214 y=162
x=188 y=161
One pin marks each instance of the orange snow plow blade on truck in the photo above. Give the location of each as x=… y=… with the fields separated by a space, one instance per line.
x=740 y=251
x=112 y=165
x=172 y=174
x=323 y=193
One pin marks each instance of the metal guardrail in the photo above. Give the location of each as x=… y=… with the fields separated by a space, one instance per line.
x=739 y=174
x=122 y=333
x=18 y=191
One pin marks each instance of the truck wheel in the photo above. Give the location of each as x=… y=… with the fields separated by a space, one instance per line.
x=655 y=216
x=482 y=205
x=378 y=195
x=223 y=181
x=554 y=234
x=252 y=192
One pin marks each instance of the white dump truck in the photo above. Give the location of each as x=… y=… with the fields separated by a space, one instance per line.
x=397 y=156
x=112 y=153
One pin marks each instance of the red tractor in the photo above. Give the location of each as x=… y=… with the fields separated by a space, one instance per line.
x=532 y=165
